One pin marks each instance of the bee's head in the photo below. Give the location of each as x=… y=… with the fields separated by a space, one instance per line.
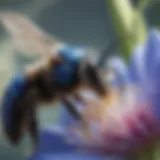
x=72 y=54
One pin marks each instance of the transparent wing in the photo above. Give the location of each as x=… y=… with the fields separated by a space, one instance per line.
x=28 y=37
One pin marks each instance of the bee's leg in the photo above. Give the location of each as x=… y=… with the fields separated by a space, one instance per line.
x=94 y=78
x=84 y=113
x=79 y=115
x=71 y=107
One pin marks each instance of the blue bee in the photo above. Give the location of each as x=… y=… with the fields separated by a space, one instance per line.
x=63 y=74
x=23 y=92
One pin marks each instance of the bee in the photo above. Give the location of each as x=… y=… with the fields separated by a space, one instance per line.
x=61 y=71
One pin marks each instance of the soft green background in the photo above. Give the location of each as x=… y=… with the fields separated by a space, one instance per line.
x=81 y=22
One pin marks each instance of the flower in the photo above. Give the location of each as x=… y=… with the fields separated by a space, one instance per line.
x=130 y=127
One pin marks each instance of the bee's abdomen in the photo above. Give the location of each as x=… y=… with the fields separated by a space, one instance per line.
x=13 y=108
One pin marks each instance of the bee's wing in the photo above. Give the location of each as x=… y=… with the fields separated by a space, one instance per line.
x=28 y=37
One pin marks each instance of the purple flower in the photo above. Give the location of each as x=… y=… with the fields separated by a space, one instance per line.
x=130 y=127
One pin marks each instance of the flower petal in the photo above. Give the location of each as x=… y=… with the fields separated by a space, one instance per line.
x=119 y=69
x=136 y=66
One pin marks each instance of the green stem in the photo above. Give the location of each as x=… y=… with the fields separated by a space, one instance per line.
x=129 y=25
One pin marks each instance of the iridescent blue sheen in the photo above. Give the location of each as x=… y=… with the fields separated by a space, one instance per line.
x=72 y=55
x=65 y=74
x=16 y=87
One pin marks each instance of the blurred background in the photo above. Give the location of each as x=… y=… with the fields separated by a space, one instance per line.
x=88 y=23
